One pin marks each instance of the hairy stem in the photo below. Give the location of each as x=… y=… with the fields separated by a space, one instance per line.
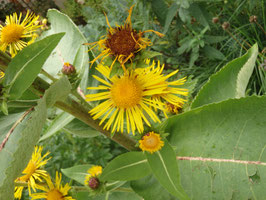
x=78 y=110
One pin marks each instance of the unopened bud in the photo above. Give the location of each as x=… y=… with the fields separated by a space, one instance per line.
x=225 y=25
x=215 y=20
x=68 y=69
x=94 y=183
x=253 y=18
x=44 y=21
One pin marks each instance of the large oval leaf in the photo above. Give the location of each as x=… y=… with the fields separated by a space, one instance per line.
x=230 y=82
x=17 y=149
x=27 y=64
x=222 y=148
x=128 y=166
x=70 y=48
x=164 y=166
x=77 y=173
x=149 y=188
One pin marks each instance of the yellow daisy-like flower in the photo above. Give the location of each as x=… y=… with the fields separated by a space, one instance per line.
x=151 y=142
x=32 y=172
x=2 y=74
x=53 y=191
x=132 y=97
x=94 y=171
x=17 y=34
x=122 y=42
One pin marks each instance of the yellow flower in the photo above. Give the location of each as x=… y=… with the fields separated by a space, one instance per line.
x=17 y=34
x=171 y=94
x=151 y=142
x=127 y=98
x=122 y=42
x=94 y=171
x=53 y=191
x=32 y=172
x=2 y=74
x=173 y=108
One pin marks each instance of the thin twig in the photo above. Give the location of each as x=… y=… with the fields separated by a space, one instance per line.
x=221 y=160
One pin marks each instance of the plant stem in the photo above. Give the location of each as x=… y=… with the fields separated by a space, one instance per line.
x=82 y=114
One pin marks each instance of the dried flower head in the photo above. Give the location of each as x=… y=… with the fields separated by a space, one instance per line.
x=122 y=42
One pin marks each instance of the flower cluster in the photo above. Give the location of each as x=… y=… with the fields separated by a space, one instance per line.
x=37 y=178
x=129 y=100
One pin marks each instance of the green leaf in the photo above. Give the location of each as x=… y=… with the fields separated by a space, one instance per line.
x=221 y=149
x=160 y=8
x=149 y=188
x=200 y=14
x=27 y=64
x=170 y=16
x=19 y=146
x=128 y=166
x=164 y=166
x=80 y=129
x=117 y=195
x=230 y=82
x=213 y=53
x=211 y=39
x=59 y=122
x=77 y=173
x=70 y=49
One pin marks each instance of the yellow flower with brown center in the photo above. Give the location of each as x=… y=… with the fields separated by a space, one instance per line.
x=94 y=171
x=151 y=142
x=18 y=33
x=32 y=172
x=53 y=191
x=122 y=42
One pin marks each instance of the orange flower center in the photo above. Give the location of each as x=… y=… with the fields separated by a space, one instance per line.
x=54 y=194
x=11 y=33
x=151 y=141
x=126 y=92
x=122 y=41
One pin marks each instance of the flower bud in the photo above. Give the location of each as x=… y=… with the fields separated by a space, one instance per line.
x=225 y=25
x=94 y=183
x=215 y=20
x=68 y=69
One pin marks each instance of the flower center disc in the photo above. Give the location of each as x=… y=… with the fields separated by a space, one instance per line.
x=151 y=142
x=121 y=42
x=11 y=33
x=54 y=195
x=126 y=92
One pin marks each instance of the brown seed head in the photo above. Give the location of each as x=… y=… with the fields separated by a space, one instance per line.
x=225 y=25
x=94 y=183
x=122 y=42
x=215 y=20
x=253 y=19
